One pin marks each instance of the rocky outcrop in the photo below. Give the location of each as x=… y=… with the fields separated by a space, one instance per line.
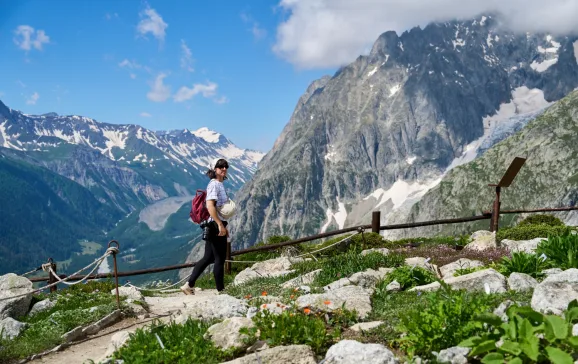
x=292 y=354
x=225 y=334
x=15 y=286
x=388 y=126
x=351 y=297
x=354 y=352
x=555 y=292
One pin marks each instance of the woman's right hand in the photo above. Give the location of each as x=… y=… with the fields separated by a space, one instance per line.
x=222 y=230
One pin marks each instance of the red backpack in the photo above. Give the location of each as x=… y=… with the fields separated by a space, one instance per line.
x=199 y=212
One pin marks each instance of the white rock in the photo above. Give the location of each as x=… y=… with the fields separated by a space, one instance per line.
x=354 y=352
x=480 y=281
x=552 y=271
x=575 y=330
x=11 y=328
x=337 y=284
x=106 y=321
x=116 y=342
x=276 y=308
x=225 y=334
x=366 y=326
x=43 y=305
x=354 y=298
x=555 y=292
x=129 y=292
x=521 y=282
x=213 y=307
x=383 y=251
x=12 y=285
x=292 y=354
x=526 y=246
x=426 y=287
x=368 y=278
x=482 y=240
x=304 y=279
x=448 y=270
x=454 y=355
x=393 y=286
x=422 y=263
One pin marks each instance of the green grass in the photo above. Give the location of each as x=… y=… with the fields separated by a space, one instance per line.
x=182 y=344
x=80 y=305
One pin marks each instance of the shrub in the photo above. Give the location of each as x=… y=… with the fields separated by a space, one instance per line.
x=527 y=232
x=344 y=265
x=521 y=262
x=560 y=251
x=350 y=242
x=409 y=277
x=291 y=328
x=444 y=321
x=441 y=255
x=528 y=336
x=549 y=220
x=438 y=240
x=182 y=344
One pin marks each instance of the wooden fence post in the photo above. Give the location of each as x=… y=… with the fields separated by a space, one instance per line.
x=375 y=221
x=228 y=257
x=51 y=277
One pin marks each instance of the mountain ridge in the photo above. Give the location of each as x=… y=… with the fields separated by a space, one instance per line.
x=392 y=122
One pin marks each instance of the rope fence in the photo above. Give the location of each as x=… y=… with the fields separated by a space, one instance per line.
x=374 y=226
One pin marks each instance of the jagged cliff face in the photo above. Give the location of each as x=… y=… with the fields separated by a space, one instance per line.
x=126 y=166
x=549 y=177
x=386 y=128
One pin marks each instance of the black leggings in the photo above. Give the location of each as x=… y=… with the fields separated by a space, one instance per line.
x=215 y=252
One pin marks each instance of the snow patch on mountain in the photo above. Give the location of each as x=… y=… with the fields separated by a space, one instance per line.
x=207 y=135
x=339 y=216
x=576 y=50
x=526 y=104
x=543 y=66
x=401 y=191
x=115 y=138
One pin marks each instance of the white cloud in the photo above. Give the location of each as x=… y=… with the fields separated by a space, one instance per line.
x=186 y=57
x=159 y=91
x=133 y=76
x=128 y=64
x=21 y=84
x=110 y=16
x=28 y=38
x=221 y=100
x=32 y=100
x=185 y=93
x=258 y=31
x=330 y=33
x=152 y=22
x=145 y=115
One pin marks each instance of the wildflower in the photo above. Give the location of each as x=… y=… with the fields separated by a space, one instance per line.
x=248 y=296
x=264 y=293
x=307 y=311
x=327 y=302
x=292 y=296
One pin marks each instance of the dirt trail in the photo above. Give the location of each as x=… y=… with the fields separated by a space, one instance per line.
x=94 y=347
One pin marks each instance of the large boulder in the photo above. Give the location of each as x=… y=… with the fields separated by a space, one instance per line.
x=555 y=292
x=448 y=270
x=352 y=297
x=482 y=280
x=277 y=267
x=212 y=307
x=12 y=285
x=354 y=352
x=521 y=282
x=41 y=306
x=291 y=354
x=225 y=334
x=129 y=292
x=10 y=328
x=482 y=240
x=526 y=246
x=304 y=279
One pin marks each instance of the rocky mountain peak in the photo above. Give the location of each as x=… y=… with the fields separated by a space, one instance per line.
x=386 y=128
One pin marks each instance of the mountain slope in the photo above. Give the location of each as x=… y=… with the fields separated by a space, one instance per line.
x=44 y=215
x=127 y=166
x=549 y=177
x=386 y=128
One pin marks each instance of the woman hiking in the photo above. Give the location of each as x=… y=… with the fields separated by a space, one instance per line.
x=215 y=232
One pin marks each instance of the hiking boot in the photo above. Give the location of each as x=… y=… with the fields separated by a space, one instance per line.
x=187 y=289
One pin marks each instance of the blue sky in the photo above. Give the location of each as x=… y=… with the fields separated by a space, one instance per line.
x=126 y=62
x=236 y=66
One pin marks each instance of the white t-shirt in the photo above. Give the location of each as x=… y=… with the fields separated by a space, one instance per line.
x=216 y=191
